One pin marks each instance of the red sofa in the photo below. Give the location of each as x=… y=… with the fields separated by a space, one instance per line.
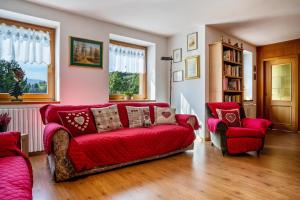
x=15 y=169
x=234 y=140
x=70 y=157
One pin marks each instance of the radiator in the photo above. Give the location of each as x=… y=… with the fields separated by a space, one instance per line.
x=27 y=120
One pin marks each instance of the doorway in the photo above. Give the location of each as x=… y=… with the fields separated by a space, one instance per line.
x=281 y=92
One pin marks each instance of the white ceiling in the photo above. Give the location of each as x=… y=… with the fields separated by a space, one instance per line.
x=256 y=21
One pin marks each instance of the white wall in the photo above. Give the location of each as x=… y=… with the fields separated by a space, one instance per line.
x=189 y=96
x=80 y=85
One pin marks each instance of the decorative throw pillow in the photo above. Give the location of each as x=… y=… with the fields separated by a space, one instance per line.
x=231 y=117
x=78 y=122
x=164 y=115
x=107 y=118
x=138 y=116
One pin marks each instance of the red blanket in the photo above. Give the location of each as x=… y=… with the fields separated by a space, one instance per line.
x=120 y=146
x=15 y=169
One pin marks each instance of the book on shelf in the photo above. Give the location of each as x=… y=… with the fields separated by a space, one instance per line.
x=232 y=56
x=232 y=84
x=232 y=70
x=233 y=98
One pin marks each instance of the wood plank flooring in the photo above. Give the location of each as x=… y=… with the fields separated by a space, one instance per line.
x=199 y=174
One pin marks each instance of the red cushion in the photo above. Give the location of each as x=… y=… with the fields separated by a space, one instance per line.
x=15 y=179
x=242 y=145
x=222 y=105
x=230 y=117
x=237 y=132
x=126 y=145
x=78 y=122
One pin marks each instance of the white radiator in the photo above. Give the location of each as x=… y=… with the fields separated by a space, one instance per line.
x=27 y=120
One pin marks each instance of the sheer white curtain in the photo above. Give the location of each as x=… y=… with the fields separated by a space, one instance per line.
x=24 y=45
x=125 y=59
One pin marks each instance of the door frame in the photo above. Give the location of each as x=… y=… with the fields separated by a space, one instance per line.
x=262 y=94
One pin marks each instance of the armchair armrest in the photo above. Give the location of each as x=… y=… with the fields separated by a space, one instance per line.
x=50 y=130
x=214 y=124
x=187 y=120
x=256 y=123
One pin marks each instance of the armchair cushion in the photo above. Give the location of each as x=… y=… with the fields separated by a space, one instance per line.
x=238 y=132
x=230 y=117
x=221 y=105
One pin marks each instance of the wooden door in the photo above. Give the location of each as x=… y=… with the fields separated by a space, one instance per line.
x=281 y=90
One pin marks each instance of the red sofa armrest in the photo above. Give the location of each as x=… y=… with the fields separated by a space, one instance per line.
x=187 y=120
x=49 y=132
x=214 y=123
x=10 y=142
x=256 y=123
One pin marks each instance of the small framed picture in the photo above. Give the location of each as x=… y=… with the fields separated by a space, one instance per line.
x=178 y=76
x=177 y=55
x=192 y=67
x=84 y=52
x=192 y=41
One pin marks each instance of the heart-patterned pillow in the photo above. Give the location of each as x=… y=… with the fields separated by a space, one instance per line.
x=78 y=122
x=164 y=115
x=230 y=117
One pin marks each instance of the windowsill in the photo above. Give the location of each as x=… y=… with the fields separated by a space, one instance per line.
x=5 y=102
x=131 y=100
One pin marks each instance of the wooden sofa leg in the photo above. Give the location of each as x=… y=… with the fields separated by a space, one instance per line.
x=258 y=153
x=212 y=144
x=223 y=152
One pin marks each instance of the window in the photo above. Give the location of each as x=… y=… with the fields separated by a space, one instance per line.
x=32 y=48
x=248 y=76
x=127 y=70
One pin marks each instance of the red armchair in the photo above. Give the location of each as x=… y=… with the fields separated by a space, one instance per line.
x=234 y=140
x=15 y=169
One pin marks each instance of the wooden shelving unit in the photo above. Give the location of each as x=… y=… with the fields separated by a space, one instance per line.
x=226 y=75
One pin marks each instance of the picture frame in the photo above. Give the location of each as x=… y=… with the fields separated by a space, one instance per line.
x=85 y=52
x=192 y=67
x=177 y=55
x=192 y=41
x=178 y=76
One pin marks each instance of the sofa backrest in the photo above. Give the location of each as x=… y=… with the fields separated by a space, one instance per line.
x=49 y=113
x=212 y=106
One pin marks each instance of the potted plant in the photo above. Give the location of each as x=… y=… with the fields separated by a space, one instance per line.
x=12 y=79
x=128 y=95
x=4 y=121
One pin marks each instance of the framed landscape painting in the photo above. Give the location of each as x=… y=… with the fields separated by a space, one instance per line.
x=192 y=67
x=86 y=52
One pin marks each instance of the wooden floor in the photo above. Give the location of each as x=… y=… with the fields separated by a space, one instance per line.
x=200 y=174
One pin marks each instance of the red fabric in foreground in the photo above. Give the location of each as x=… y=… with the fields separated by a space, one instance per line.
x=15 y=169
x=125 y=145
x=15 y=179
x=242 y=145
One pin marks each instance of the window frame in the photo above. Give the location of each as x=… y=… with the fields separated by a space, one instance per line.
x=50 y=96
x=142 y=78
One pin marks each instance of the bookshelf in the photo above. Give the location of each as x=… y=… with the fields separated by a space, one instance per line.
x=226 y=73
